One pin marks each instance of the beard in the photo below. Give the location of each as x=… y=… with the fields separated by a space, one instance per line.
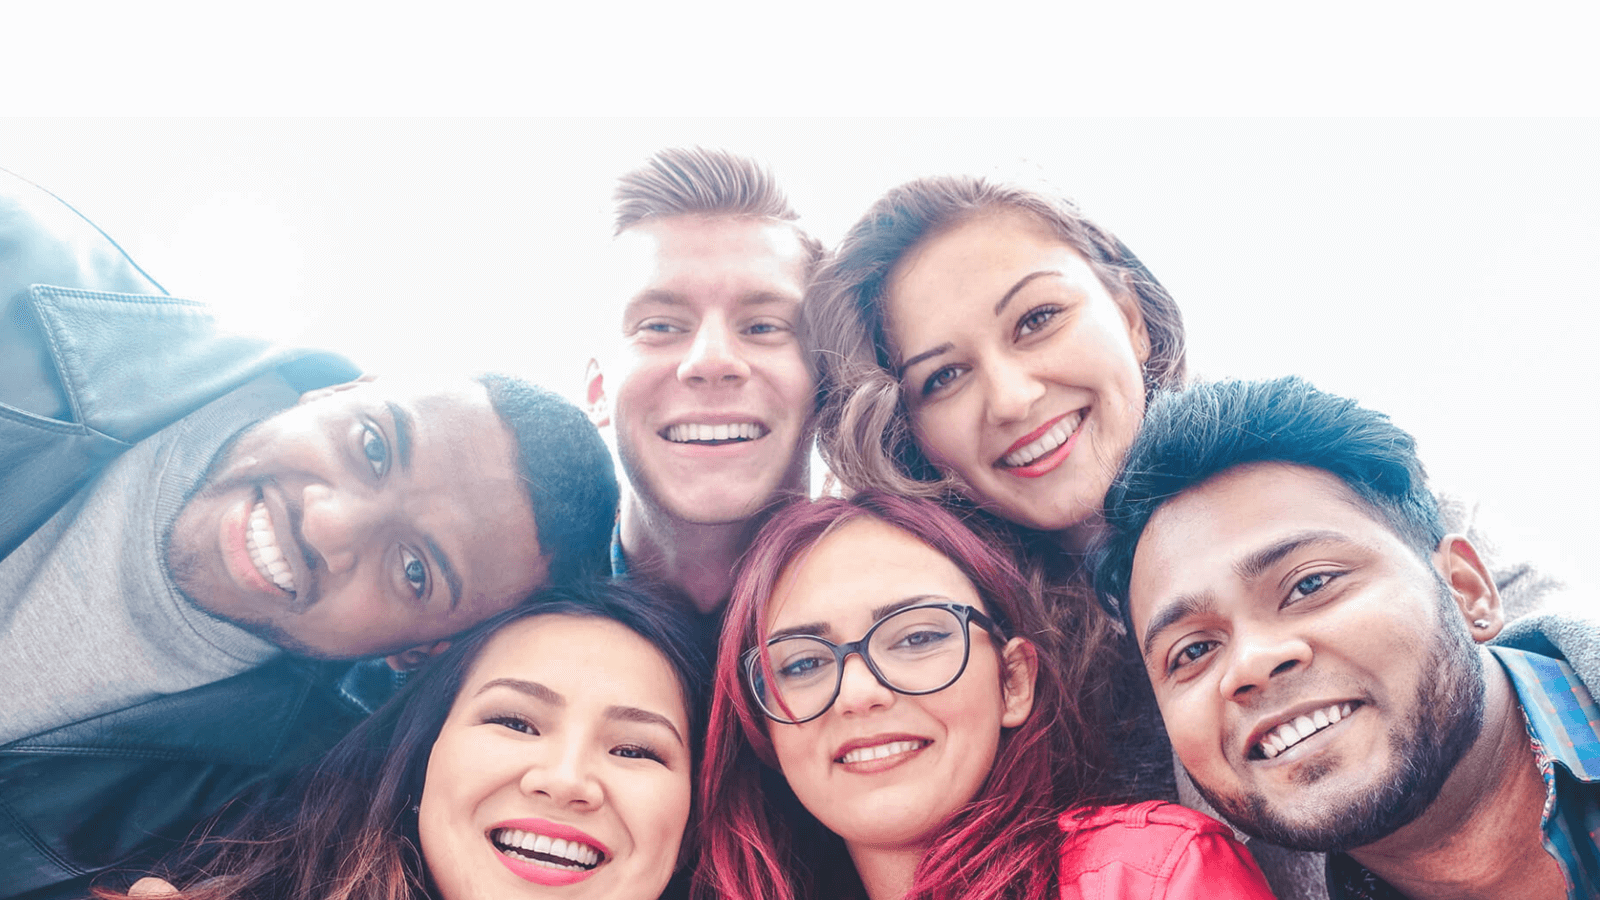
x=1447 y=718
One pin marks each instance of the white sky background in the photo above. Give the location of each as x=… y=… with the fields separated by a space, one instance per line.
x=1445 y=272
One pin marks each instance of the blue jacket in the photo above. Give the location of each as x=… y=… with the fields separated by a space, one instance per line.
x=94 y=357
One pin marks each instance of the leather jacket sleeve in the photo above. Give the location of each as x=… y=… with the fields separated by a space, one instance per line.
x=1154 y=850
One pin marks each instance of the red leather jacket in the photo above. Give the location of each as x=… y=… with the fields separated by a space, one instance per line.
x=1154 y=850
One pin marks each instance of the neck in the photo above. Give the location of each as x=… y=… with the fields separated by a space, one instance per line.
x=1481 y=837
x=696 y=559
x=886 y=872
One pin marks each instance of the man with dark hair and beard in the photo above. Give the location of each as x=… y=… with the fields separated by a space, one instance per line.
x=197 y=527
x=1321 y=653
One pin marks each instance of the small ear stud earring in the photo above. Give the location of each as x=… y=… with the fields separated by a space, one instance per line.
x=1480 y=624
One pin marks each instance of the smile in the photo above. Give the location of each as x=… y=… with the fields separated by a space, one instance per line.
x=1292 y=732
x=543 y=850
x=1053 y=437
x=261 y=541
x=876 y=752
x=690 y=433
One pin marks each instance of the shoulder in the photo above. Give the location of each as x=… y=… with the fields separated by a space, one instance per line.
x=1153 y=849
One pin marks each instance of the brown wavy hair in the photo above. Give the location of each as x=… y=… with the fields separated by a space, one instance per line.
x=864 y=428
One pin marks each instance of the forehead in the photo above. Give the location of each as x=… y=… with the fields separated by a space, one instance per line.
x=982 y=257
x=1198 y=541
x=861 y=566
x=591 y=662
x=706 y=259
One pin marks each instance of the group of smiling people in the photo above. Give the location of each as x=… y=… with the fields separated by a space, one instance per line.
x=915 y=689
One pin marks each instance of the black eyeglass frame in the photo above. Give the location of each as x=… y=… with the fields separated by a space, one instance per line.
x=841 y=652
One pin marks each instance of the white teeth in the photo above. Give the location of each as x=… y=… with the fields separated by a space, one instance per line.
x=575 y=854
x=881 y=751
x=1050 y=440
x=745 y=431
x=262 y=544
x=1293 y=732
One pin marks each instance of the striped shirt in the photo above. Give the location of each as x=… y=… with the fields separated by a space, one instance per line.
x=1564 y=730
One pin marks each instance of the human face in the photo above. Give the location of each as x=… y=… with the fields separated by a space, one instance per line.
x=713 y=396
x=371 y=517
x=1315 y=674
x=1020 y=369
x=568 y=728
x=867 y=767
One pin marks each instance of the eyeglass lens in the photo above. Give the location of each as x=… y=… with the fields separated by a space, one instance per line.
x=916 y=650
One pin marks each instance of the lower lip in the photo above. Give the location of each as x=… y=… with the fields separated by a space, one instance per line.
x=1049 y=462
x=236 y=553
x=532 y=871
x=874 y=766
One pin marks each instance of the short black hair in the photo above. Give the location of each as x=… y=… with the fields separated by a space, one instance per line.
x=1191 y=435
x=570 y=479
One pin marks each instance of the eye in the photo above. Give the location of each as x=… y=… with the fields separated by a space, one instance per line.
x=922 y=638
x=1311 y=584
x=802 y=667
x=375 y=449
x=415 y=571
x=515 y=723
x=764 y=328
x=940 y=379
x=636 y=751
x=1036 y=319
x=1191 y=653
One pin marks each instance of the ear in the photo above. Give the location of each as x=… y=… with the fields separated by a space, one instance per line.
x=1471 y=586
x=1138 y=336
x=411 y=660
x=330 y=390
x=1020 y=660
x=598 y=406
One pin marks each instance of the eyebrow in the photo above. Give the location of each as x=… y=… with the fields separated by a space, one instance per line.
x=404 y=426
x=615 y=713
x=451 y=577
x=532 y=688
x=643 y=717
x=820 y=629
x=672 y=298
x=1022 y=283
x=1248 y=569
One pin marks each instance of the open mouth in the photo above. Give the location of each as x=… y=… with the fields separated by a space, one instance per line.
x=1044 y=443
x=880 y=751
x=543 y=850
x=261 y=541
x=714 y=435
x=1292 y=732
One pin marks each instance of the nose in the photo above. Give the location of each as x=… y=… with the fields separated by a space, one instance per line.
x=336 y=523
x=1012 y=391
x=714 y=356
x=1257 y=656
x=563 y=770
x=860 y=690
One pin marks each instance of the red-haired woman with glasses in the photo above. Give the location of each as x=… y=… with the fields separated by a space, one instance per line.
x=891 y=719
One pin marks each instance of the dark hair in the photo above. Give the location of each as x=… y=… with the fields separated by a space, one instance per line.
x=1192 y=435
x=760 y=842
x=345 y=830
x=864 y=430
x=685 y=181
x=571 y=482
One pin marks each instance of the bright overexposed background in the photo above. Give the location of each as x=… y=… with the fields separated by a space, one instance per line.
x=1446 y=272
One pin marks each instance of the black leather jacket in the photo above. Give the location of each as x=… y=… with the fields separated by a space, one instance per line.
x=94 y=357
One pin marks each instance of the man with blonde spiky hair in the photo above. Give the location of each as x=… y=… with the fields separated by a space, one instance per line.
x=710 y=393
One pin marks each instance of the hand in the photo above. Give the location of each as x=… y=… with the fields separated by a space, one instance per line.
x=150 y=888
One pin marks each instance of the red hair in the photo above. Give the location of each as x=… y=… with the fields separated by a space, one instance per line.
x=759 y=843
